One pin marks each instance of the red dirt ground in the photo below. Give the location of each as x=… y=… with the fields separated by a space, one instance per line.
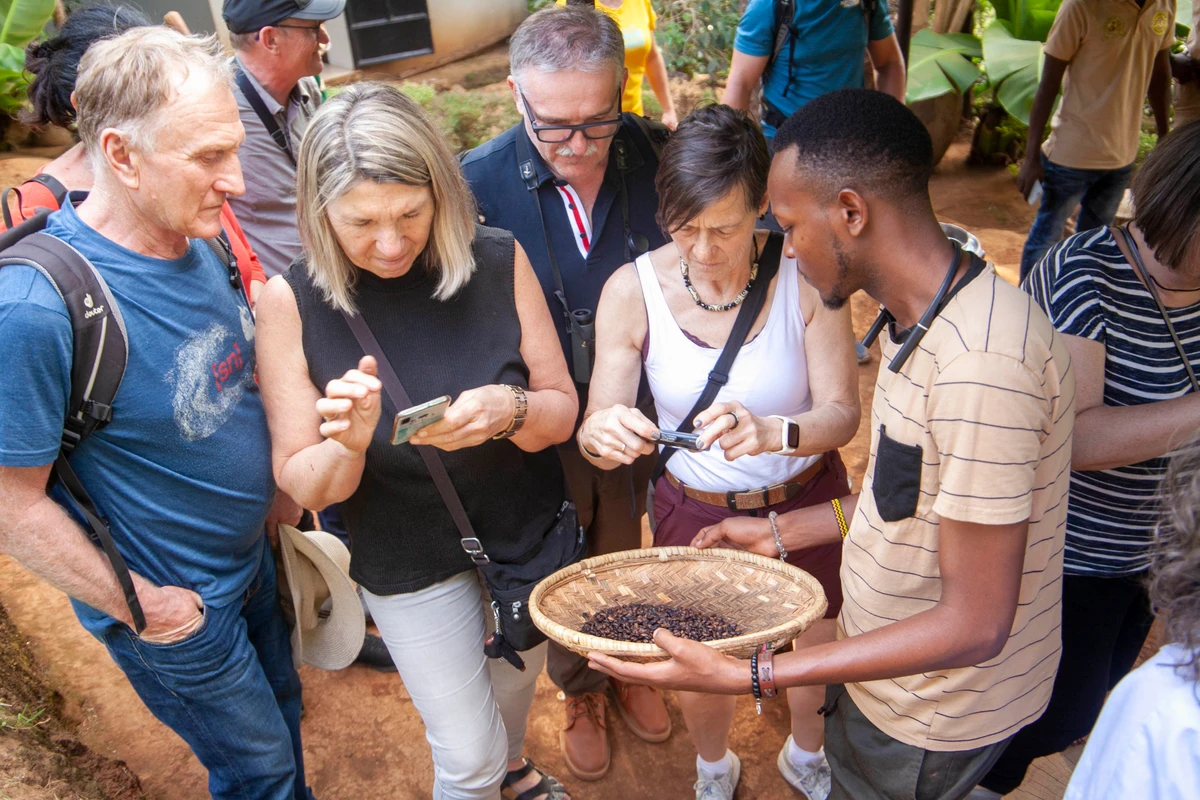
x=363 y=739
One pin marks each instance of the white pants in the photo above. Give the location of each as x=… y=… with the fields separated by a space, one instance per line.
x=474 y=708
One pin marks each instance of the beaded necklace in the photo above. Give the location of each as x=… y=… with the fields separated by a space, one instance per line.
x=735 y=302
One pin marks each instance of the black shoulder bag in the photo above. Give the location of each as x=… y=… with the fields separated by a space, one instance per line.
x=509 y=584
x=264 y=116
x=768 y=264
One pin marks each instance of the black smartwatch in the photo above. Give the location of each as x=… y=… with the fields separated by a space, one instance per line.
x=791 y=435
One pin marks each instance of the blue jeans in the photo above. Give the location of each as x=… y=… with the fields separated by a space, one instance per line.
x=1097 y=192
x=230 y=691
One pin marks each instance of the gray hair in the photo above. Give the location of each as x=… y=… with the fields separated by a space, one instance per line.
x=126 y=81
x=572 y=37
x=1174 y=577
x=373 y=132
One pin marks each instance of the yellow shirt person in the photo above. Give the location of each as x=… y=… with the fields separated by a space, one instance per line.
x=637 y=20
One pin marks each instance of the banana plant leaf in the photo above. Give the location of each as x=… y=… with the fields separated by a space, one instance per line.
x=1183 y=18
x=1028 y=19
x=939 y=63
x=23 y=20
x=1014 y=67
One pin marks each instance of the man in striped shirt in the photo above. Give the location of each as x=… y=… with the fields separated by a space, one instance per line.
x=952 y=566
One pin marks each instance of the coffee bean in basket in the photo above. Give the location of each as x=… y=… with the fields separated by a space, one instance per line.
x=637 y=622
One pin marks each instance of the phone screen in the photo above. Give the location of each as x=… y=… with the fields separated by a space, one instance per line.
x=411 y=420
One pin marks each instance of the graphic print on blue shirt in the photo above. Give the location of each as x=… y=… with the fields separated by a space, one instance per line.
x=183 y=472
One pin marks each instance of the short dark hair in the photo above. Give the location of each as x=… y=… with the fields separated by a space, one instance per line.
x=54 y=62
x=1166 y=193
x=860 y=139
x=715 y=150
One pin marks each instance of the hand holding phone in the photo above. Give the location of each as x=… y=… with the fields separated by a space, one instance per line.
x=411 y=420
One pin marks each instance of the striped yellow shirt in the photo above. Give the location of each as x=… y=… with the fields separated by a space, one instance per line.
x=977 y=428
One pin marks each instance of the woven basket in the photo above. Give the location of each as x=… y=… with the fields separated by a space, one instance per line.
x=772 y=601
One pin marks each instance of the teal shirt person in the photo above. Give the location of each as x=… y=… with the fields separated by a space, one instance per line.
x=829 y=50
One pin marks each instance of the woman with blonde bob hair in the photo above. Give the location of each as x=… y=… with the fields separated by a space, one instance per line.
x=390 y=237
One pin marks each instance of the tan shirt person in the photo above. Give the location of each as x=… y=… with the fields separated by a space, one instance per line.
x=1110 y=46
x=976 y=427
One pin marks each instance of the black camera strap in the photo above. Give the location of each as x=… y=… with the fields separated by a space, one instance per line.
x=264 y=115
x=768 y=265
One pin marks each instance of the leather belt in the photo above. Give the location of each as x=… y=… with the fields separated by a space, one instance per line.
x=751 y=498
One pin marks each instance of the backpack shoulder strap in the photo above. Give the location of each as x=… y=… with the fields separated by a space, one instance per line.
x=655 y=132
x=785 y=23
x=54 y=185
x=100 y=352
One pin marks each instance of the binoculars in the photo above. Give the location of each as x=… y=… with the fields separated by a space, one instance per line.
x=583 y=343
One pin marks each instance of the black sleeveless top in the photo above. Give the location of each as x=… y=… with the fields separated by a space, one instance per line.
x=402 y=538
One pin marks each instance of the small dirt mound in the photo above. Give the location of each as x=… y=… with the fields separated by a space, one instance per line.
x=40 y=758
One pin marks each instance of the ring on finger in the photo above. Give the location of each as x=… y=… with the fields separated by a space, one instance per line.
x=622 y=447
x=735 y=419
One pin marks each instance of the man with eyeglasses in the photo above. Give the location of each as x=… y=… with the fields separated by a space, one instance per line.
x=574 y=182
x=277 y=51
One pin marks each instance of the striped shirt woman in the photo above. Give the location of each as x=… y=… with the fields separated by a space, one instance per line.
x=1134 y=405
x=1089 y=290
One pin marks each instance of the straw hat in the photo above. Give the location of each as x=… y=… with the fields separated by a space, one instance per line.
x=316 y=566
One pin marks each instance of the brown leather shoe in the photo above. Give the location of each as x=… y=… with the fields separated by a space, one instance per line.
x=643 y=710
x=583 y=739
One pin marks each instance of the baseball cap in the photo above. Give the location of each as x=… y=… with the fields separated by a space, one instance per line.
x=247 y=16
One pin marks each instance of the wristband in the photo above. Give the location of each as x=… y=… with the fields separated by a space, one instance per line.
x=841 y=517
x=522 y=406
x=775 y=532
x=785 y=447
x=766 y=670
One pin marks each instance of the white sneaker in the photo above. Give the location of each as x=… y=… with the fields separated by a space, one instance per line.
x=721 y=787
x=814 y=781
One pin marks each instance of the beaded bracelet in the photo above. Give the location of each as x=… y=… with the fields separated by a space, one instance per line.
x=754 y=687
x=775 y=532
x=841 y=517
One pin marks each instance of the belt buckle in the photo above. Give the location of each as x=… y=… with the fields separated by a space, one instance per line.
x=474 y=548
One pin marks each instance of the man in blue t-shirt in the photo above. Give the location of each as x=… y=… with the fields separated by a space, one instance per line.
x=823 y=53
x=183 y=471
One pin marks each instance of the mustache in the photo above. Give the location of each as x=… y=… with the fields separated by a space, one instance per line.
x=565 y=151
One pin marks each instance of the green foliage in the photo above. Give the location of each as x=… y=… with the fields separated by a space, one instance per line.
x=696 y=36
x=1027 y=19
x=23 y=21
x=466 y=118
x=1014 y=67
x=1183 y=18
x=939 y=63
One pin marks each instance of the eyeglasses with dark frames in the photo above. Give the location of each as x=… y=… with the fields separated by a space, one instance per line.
x=557 y=134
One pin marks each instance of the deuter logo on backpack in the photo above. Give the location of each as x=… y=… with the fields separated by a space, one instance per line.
x=92 y=309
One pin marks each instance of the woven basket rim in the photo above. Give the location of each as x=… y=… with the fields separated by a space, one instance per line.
x=785 y=631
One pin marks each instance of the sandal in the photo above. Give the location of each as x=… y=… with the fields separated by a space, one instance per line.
x=547 y=786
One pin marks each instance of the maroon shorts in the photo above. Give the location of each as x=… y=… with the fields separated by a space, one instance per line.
x=680 y=518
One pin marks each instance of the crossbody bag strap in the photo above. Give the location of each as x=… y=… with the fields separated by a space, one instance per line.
x=719 y=376
x=433 y=462
x=264 y=116
x=1162 y=309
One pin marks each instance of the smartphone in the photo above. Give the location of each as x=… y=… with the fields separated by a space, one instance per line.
x=411 y=420
x=681 y=440
x=1035 y=194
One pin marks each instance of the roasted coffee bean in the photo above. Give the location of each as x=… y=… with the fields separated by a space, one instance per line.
x=638 y=621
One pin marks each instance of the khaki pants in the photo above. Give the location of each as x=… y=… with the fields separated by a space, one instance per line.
x=1187 y=103
x=603 y=499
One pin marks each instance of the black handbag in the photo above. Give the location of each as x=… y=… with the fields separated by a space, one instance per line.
x=508 y=584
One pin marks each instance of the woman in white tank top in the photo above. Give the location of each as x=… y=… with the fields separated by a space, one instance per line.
x=771 y=435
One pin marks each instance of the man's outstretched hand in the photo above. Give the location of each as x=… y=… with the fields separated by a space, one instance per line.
x=692 y=667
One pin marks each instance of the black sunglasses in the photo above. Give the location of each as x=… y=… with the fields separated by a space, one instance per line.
x=557 y=134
